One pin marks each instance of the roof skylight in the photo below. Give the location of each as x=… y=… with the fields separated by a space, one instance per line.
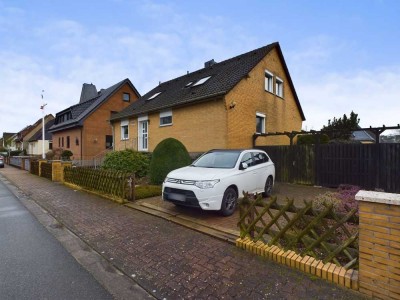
x=201 y=81
x=154 y=95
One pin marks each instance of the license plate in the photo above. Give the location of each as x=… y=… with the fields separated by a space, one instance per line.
x=177 y=197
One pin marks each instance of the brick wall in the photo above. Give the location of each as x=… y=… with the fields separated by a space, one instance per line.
x=250 y=97
x=92 y=136
x=379 y=269
x=199 y=127
x=217 y=124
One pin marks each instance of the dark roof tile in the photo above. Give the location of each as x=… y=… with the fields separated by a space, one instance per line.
x=224 y=76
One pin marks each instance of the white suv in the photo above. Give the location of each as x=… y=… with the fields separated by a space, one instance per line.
x=216 y=179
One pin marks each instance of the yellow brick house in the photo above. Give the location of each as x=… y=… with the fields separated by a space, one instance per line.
x=219 y=106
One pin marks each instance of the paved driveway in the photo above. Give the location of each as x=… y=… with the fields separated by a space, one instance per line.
x=168 y=260
x=281 y=190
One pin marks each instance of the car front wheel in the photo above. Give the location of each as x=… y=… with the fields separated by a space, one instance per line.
x=229 y=202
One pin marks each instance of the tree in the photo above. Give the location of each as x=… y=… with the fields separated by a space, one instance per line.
x=341 y=129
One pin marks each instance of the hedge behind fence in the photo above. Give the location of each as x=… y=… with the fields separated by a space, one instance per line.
x=106 y=181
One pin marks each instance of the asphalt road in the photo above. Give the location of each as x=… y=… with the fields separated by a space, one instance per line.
x=33 y=264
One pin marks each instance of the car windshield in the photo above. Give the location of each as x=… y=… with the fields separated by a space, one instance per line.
x=217 y=159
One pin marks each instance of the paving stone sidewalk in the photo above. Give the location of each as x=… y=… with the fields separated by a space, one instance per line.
x=168 y=260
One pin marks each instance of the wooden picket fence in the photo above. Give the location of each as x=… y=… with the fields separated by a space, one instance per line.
x=322 y=234
x=114 y=183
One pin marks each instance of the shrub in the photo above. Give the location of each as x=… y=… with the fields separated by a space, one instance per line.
x=66 y=154
x=127 y=161
x=50 y=155
x=146 y=191
x=343 y=200
x=15 y=153
x=311 y=139
x=169 y=154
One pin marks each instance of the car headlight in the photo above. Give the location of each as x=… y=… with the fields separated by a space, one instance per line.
x=206 y=184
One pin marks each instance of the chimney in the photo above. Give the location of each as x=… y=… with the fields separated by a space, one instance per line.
x=89 y=91
x=209 y=63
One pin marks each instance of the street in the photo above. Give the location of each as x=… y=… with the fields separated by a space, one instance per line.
x=33 y=263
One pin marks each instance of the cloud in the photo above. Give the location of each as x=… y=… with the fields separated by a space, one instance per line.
x=372 y=94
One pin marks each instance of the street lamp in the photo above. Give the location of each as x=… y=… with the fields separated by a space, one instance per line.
x=43 y=137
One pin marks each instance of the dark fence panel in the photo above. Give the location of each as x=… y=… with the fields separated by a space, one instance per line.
x=369 y=166
x=389 y=171
x=347 y=163
x=295 y=164
x=46 y=170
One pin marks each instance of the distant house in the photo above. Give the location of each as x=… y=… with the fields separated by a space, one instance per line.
x=23 y=136
x=219 y=106
x=35 y=143
x=363 y=136
x=85 y=128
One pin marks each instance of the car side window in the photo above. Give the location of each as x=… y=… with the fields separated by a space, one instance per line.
x=248 y=159
x=260 y=158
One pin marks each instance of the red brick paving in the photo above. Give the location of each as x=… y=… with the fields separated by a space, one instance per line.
x=168 y=260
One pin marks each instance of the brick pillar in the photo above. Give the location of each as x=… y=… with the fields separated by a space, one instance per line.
x=379 y=229
x=40 y=166
x=56 y=170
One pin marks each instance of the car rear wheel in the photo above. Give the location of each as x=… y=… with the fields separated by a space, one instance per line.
x=268 y=187
x=229 y=202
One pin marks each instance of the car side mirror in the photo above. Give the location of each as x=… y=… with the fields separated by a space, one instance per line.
x=243 y=166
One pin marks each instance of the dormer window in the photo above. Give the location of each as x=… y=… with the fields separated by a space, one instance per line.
x=126 y=97
x=189 y=84
x=201 y=81
x=154 y=95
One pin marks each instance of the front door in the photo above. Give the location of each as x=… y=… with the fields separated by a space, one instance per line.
x=143 y=135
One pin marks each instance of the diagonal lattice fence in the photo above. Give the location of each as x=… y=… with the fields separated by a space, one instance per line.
x=322 y=234
x=110 y=182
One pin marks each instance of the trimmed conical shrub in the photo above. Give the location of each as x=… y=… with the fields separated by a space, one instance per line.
x=169 y=154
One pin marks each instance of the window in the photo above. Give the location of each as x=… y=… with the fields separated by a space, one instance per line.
x=260 y=123
x=126 y=97
x=77 y=141
x=109 y=141
x=279 y=87
x=260 y=158
x=50 y=145
x=124 y=130
x=155 y=95
x=59 y=142
x=201 y=81
x=68 y=142
x=166 y=118
x=269 y=81
x=248 y=159
x=62 y=142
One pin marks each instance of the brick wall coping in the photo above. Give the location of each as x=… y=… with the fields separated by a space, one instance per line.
x=378 y=197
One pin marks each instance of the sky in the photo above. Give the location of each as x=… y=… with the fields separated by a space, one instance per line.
x=342 y=56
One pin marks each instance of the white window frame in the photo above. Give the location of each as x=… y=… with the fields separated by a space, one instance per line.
x=163 y=114
x=124 y=123
x=279 y=87
x=263 y=117
x=143 y=139
x=269 y=81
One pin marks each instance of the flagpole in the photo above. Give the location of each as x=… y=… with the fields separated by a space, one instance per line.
x=43 y=131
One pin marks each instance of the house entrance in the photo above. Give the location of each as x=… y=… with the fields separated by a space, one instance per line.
x=143 y=135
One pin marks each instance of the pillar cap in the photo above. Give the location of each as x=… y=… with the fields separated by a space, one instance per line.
x=378 y=197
